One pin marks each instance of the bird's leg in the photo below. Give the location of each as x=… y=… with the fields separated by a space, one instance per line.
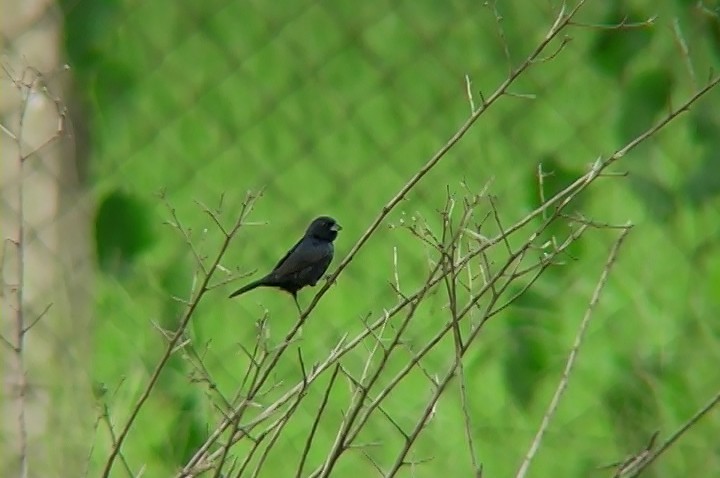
x=297 y=304
x=300 y=329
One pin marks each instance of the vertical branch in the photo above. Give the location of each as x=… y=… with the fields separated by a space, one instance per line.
x=450 y=278
x=562 y=385
x=30 y=82
x=316 y=421
x=21 y=385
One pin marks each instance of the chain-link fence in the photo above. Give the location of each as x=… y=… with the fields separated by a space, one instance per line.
x=172 y=111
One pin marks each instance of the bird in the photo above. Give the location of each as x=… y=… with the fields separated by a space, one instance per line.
x=304 y=264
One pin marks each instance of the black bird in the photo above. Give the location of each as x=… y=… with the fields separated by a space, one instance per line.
x=305 y=263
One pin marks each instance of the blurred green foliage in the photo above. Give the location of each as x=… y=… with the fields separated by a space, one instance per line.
x=123 y=231
x=330 y=106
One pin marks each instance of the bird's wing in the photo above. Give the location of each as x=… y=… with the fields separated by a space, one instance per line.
x=287 y=254
x=303 y=255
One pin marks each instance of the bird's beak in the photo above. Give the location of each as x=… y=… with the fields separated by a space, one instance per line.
x=336 y=227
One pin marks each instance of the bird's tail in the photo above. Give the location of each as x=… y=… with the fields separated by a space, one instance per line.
x=249 y=287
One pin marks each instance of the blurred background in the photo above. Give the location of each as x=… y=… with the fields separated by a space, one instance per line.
x=329 y=107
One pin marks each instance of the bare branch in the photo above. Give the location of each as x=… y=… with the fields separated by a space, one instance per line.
x=562 y=385
x=30 y=82
x=624 y=24
x=483 y=301
x=316 y=421
x=246 y=208
x=712 y=403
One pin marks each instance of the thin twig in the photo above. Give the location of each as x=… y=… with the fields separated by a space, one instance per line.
x=712 y=403
x=451 y=282
x=684 y=51
x=562 y=385
x=316 y=421
x=189 y=312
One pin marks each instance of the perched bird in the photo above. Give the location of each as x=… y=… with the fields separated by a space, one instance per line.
x=305 y=263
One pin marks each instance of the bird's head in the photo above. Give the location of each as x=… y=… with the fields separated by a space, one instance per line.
x=323 y=227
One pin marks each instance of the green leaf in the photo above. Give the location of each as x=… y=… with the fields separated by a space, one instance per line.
x=556 y=177
x=712 y=26
x=88 y=26
x=703 y=184
x=527 y=358
x=189 y=430
x=631 y=403
x=614 y=49
x=122 y=232
x=90 y=31
x=659 y=201
x=646 y=96
x=704 y=124
x=174 y=280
